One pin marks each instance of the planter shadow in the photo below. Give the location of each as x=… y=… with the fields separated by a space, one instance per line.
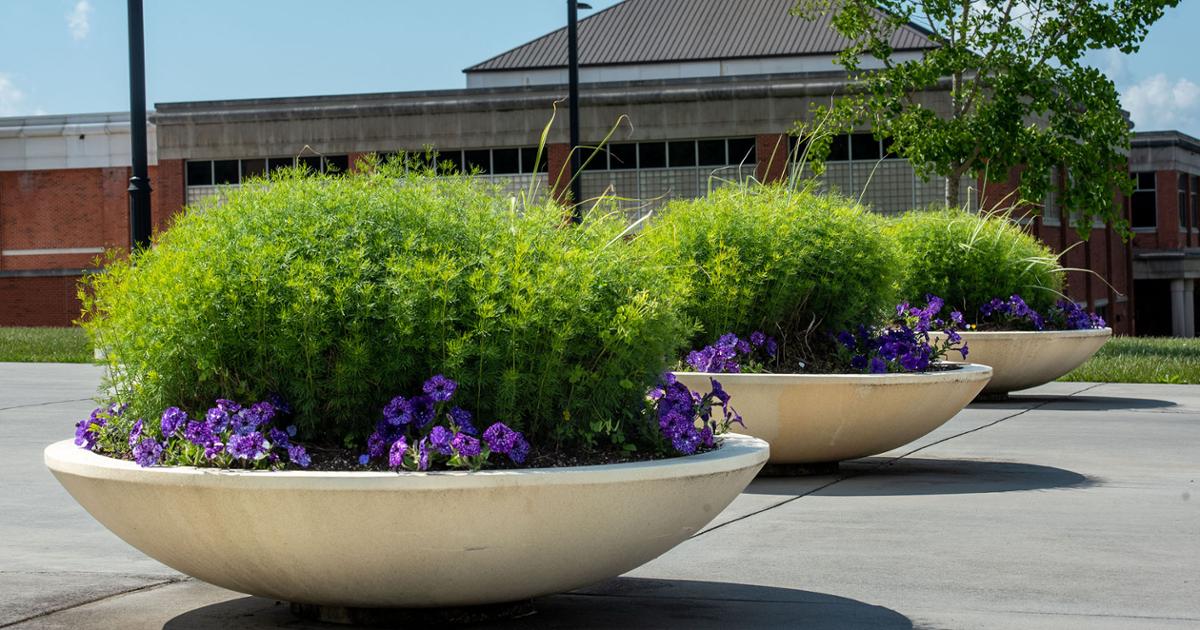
x=1074 y=403
x=619 y=603
x=880 y=476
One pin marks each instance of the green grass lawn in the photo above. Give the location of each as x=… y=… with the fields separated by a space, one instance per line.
x=1142 y=360
x=41 y=345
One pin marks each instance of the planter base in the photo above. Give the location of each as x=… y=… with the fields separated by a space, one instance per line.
x=800 y=470
x=413 y=617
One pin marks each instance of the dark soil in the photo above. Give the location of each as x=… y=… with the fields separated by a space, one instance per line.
x=342 y=459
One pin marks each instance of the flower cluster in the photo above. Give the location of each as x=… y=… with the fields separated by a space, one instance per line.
x=420 y=432
x=730 y=354
x=1015 y=313
x=906 y=346
x=679 y=409
x=228 y=435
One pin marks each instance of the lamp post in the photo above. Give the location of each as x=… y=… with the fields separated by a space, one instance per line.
x=139 y=183
x=573 y=105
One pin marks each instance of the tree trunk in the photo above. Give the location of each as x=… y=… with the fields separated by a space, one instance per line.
x=952 y=184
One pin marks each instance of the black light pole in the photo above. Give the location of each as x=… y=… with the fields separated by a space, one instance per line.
x=139 y=184
x=573 y=80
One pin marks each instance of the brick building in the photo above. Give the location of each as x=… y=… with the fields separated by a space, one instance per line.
x=700 y=105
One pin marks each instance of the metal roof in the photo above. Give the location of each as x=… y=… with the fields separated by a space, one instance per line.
x=664 y=31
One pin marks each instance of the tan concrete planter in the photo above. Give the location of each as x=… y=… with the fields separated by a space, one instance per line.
x=1023 y=359
x=387 y=540
x=820 y=418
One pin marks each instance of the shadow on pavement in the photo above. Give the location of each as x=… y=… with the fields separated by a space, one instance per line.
x=1077 y=403
x=915 y=476
x=619 y=603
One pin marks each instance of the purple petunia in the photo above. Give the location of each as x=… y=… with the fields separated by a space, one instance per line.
x=439 y=388
x=466 y=446
x=461 y=419
x=499 y=438
x=298 y=456
x=135 y=433
x=439 y=439
x=396 y=453
x=398 y=412
x=251 y=446
x=147 y=453
x=173 y=419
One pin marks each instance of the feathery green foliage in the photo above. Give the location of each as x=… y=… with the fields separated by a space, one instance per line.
x=968 y=259
x=787 y=262
x=338 y=293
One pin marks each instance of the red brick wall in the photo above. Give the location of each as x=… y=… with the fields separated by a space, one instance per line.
x=45 y=301
x=558 y=163
x=771 y=150
x=169 y=194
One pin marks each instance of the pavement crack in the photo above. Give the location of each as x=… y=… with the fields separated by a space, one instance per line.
x=889 y=462
x=54 y=611
x=45 y=404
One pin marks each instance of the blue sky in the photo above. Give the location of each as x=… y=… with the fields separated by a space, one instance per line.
x=66 y=56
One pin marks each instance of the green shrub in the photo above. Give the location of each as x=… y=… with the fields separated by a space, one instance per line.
x=792 y=264
x=968 y=259
x=338 y=293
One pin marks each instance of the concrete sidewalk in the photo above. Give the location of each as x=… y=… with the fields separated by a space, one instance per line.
x=1070 y=506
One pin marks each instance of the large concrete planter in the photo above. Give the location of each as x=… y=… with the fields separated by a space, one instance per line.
x=407 y=540
x=823 y=418
x=1023 y=359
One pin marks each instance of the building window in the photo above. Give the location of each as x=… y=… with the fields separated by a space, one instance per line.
x=506 y=161
x=1183 y=201
x=743 y=151
x=652 y=155
x=253 y=168
x=1051 y=210
x=199 y=173
x=274 y=164
x=1143 y=205
x=1195 y=202
x=681 y=154
x=529 y=155
x=622 y=156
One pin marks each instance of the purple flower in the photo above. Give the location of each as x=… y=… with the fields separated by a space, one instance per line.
x=858 y=362
x=87 y=431
x=423 y=455
x=520 y=450
x=199 y=433
x=291 y=430
x=461 y=419
x=877 y=366
x=279 y=437
x=218 y=419
x=173 y=419
x=251 y=446
x=500 y=439
x=846 y=339
x=364 y=459
x=757 y=338
x=298 y=456
x=264 y=410
x=772 y=348
x=957 y=318
x=963 y=350
x=439 y=439
x=147 y=453
x=135 y=433
x=423 y=410
x=398 y=412
x=440 y=388
x=396 y=453
x=376 y=444
x=465 y=445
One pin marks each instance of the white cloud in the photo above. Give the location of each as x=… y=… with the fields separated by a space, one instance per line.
x=11 y=97
x=79 y=20
x=1157 y=103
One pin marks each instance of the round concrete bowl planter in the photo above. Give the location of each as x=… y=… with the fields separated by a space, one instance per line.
x=827 y=418
x=1024 y=359
x=365 y=540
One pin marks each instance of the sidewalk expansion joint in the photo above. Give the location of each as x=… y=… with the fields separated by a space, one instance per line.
x=54 y=611
x=889 y=462
x=45 y=404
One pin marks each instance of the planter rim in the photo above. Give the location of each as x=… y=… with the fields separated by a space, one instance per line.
x=1001 y=334
x=965 y=372
x=736 y=452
